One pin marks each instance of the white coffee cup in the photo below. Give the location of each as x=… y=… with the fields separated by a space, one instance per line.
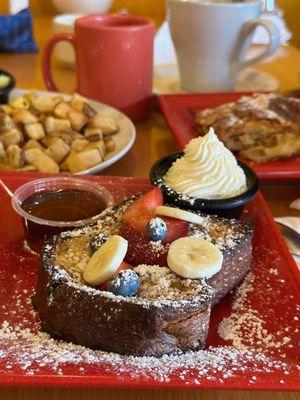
x=211 y=39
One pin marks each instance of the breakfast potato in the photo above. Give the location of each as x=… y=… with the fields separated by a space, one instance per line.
x=16 y=156
x=44 y=104
x=2 y=151
x=41 y=161
x=93 y=134
x=57 y=125
x=99 y=145
x=77 y=162
x=62 y=109
x=35 y=131
x=58 y=150
x=107 y=125
x=24 y=117
x=79 y=144
x=89 y=111
x=110 y=145
x=32 y=144
x=20 y=102
x=78 y=120
x=13 y=136
x=6 y=123
x=77 y=102
x=51 y=134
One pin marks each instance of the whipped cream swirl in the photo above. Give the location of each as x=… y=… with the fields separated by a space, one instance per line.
x=207 y=170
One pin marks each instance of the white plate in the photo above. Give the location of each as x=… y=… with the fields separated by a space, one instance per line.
x=124 y=139
x=166 y=80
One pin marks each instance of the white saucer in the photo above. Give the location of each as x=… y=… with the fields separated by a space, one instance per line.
x=166 y=80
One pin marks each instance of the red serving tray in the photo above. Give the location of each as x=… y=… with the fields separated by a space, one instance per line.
x=179 y=113
x=274 y=298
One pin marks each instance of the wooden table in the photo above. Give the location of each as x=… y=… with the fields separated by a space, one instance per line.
x=153 y=141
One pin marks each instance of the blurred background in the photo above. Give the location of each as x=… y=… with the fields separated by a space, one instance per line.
x=156 y=10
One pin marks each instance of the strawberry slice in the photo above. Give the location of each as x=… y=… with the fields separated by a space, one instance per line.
x=141 y=250
x=139 y=213
x=123 y=265
x=176 y=229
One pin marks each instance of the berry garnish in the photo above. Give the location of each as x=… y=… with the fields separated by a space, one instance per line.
x=126 y=283
x=143 y=209
x=156 y=229
x=97 y=241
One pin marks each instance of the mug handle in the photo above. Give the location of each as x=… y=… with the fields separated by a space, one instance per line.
x=247 y=30
x=46 y=57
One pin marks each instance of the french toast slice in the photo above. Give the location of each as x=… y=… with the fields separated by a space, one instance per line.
x=168 y=315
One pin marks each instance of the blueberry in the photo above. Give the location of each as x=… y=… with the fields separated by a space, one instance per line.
x=97 y=241
x=157 y=229
x=126 y=283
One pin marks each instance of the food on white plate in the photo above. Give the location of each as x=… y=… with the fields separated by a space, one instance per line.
x=68 y=136
x=261 y=127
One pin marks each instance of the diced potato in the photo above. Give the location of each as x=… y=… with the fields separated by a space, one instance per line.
x=62 y=109
x=32 y=144
x=24 y=117
x=45 y=104
x=93 y=134
x=59 y=125
x=2 y=151
x=110 y=145
x=41 y=161
x=79 y=144
x=77 y=102
x=58 y=150
x=20 y=102
x=107 y=124
x=35 y=131
x=14 y=136
x=89 y=111
x=6 y=122
x=77 y=119
x=77 y=162
x=99 y=145
x=16 y=156
x=6 y=108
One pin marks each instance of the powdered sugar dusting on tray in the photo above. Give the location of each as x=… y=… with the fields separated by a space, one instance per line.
x=25 y=350
x=29 y=351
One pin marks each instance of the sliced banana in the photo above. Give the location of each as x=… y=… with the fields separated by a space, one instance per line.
x=179 y=214
x=105 y=261
x=194 y=258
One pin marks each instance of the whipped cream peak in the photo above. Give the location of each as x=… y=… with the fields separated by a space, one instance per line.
x=207 y=170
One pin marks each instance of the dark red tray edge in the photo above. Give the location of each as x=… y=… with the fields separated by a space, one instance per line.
x=276 y=175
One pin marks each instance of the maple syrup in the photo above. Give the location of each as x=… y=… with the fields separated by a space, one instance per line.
x=64 y=206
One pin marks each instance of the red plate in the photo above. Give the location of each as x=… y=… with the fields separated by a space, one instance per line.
x=265 y=319
x=179 y=113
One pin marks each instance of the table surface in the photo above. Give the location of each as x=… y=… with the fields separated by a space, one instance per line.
x=154 y=140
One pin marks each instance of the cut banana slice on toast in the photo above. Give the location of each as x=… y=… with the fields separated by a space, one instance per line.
x=179 y=214
x=105 y=261
x=194 y=258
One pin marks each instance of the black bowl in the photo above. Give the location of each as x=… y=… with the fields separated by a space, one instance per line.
x=4 y=92
x=230 y=207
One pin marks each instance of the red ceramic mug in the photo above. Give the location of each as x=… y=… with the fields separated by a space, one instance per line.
x=114 y=61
